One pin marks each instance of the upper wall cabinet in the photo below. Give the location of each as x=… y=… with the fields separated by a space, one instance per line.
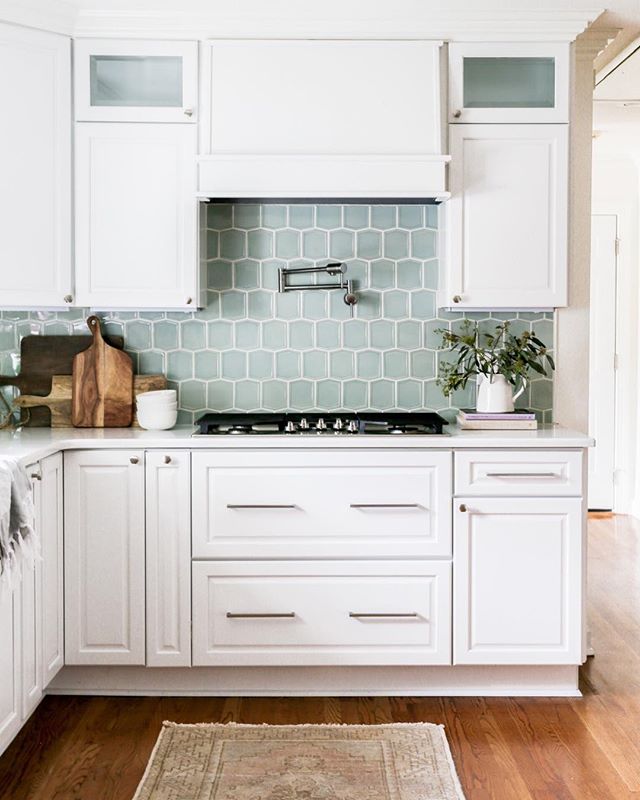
x=496 y=82
x=135 y=81
x=314 y=118
x=136 y=216
x=35 y=165
x=507 y=217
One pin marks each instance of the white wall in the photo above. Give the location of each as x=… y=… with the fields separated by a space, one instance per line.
x=616 y=190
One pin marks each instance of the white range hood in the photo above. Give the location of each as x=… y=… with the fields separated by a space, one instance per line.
x=322 y=119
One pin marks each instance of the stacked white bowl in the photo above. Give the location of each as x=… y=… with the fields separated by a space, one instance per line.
x=157 y=411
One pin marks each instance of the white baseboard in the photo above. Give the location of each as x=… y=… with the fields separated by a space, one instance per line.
x=488 y=681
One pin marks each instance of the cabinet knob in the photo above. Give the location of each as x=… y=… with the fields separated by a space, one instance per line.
x=457 y=114
x=134 y=459
x=36 y=476
x=463 y=508
x=68 y=298
x=189 y=300
x=188 y=112
x=167 y=459
x=457 y=298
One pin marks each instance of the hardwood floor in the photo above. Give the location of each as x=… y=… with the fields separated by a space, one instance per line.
x=504 y=749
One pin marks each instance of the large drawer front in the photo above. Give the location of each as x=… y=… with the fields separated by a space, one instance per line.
x=309 y=613
x=553 y=473
x=321 y=505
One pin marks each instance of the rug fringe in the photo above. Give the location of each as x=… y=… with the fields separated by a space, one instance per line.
x=168 y=724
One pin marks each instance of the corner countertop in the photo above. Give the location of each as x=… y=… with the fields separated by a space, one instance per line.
x=31 y=444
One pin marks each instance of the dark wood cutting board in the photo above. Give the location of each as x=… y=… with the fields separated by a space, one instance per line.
x=102 y=395
x=42 y=357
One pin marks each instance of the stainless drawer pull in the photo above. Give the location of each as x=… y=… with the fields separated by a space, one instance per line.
x=261 y=505
x=522 y=475
x=384 y=505
x=356 y=615
x=284 y=615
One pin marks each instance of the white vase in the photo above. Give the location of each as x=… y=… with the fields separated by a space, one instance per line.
x=495 y=395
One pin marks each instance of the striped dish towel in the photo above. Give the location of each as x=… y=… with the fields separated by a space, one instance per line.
x=18 y=538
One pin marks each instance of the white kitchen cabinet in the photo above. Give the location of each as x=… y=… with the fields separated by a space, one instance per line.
x=508 y=82
x=322 y=119
x=50 y=522
x=507 y=217
x=168 y=558
x=518 y=578
x=321 y=612
x=321 y=505
x=10 y=666
x=35 y=165
x=135 y=81
x=30 y=590
x=137 y=216
x=104 y=557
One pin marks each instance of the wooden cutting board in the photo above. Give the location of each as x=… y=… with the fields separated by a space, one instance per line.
x=102 y=393
x=59 y=399
x=41 y=357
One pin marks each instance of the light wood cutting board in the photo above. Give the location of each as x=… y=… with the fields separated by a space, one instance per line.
x=59 y=399
x=102 y=395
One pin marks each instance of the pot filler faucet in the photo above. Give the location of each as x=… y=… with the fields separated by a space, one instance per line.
x=334 y=269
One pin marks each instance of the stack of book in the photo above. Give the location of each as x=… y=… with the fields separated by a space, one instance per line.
x=514 y=421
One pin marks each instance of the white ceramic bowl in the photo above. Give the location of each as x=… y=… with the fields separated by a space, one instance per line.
x=157 y=419
x=159 y=394
x=157 y=406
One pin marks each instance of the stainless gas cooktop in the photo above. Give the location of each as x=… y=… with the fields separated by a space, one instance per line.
x=344 y=423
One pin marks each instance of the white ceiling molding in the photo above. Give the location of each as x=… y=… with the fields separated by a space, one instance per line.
x=58 y=16
x=593 y=41
x=410 y=19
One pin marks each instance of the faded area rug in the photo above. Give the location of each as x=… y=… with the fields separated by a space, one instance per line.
x=409 y=761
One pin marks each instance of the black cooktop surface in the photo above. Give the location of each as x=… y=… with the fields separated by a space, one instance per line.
x=316 y=422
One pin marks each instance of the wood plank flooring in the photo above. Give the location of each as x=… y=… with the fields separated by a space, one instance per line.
x=505 y=749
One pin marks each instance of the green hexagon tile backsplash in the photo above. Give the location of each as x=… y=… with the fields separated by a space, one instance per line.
x=252 y=348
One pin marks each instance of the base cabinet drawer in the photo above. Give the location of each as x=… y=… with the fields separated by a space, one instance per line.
x=519 y=473
x=321 y=505
x=309 y=613
x=518 y=569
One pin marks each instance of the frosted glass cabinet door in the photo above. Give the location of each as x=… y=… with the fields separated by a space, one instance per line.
x=508 y=82
x=135 y=81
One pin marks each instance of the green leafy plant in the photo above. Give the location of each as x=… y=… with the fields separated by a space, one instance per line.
x=497 y=353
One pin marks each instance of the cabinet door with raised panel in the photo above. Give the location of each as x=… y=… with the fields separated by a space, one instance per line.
x=518 y=567
x=168 y=504
x=136 y=216
x=35 y=168
x=10 y=657
x=507 y=216
x=51 y=542
x=31 y=611
x=104 y=557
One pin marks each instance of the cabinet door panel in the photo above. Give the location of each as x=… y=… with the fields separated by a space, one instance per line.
x=10 y=690
x=508 y=216
x=35 y=165
x=31 y=614
x=51 y=536
x=104 y=557
x=518 y=577
x=136 y=216
x=168 y=503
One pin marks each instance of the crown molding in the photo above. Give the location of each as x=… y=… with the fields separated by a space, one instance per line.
x=593 y=41
x=339 y=20
x=57 y=16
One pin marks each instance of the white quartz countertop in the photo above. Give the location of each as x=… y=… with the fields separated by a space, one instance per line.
x=31 y=444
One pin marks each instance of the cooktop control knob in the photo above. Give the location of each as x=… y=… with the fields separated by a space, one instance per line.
x=290 y=427
x=352 y=426
x=321 y=425
x=304 y=424
x=338 y=425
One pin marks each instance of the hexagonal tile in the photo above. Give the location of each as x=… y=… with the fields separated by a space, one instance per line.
x=382 y=274
x=433 y=397
x=213 y=245
x=328 y=395
x=369 y=244
x=396 y=244
x=274 y=216
x=260 y=244
x=383 y=217
x=274 y=335
x=355 y=334
x=246 y=274
x=396 y=304
x=233 y=364
x=193 y=335
x=382 y=395
x=288 y=305
x=328 y=216
x=409 y=394
x=301 y=334
x=274 y=395
x=314 y=305
x=423 y=364
x=151 y=362
x=179 y=365
x=341 y=244
x=206 y=365
x=369 y=304
x=193 y=395
x=382 y=334
x=220 y=395
x=369 y=364
x=327 y=334
x=219 y=275
x=233 y=244
x=287 y=364
x=246 y=215
x=423 y=244
x=356 y=217
x=233 y=304
x=314 y=244
x=259 y=304
x=247 y=395
x=261 y=364
x=301 y=395
x=409 y=334
x=341 y=364
x=396 y=364
x=410 y=216
x=355 y=395
x=301 y=217
x=247 y=334
x=314 y=364
x=409 y=274
x=288 y=243
x=220 y=334
x=219 y=216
